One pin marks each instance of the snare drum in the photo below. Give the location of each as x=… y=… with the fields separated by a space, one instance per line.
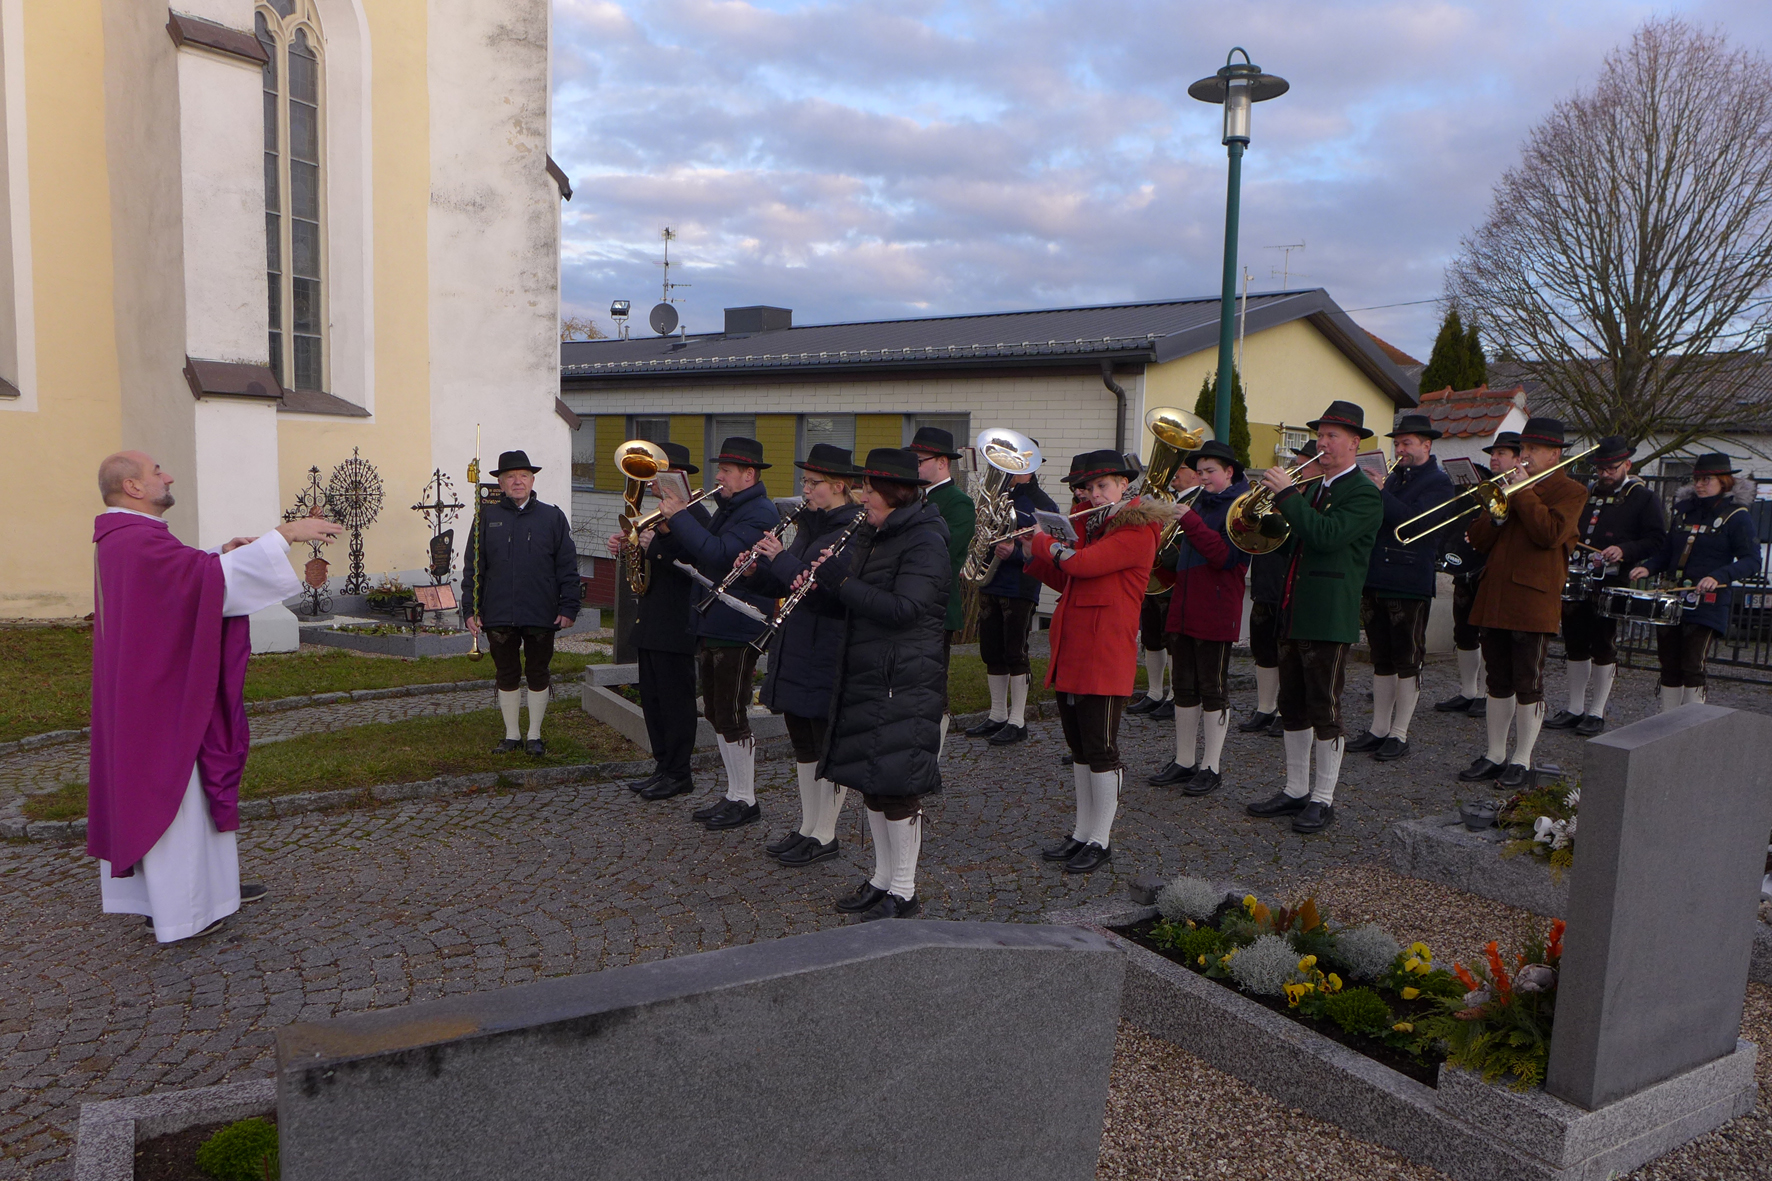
x=1661 y=608
x=1587 y=574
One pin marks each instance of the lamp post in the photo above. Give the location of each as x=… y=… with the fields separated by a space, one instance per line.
x=1237 y=87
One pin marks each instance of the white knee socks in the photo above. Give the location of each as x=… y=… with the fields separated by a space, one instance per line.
x=509 y=702
x=1408 y=693
x=1579 y=671
x=906 y=839
x=1085 y=802
x=1499 y=718
x=1470 y=672
x=1267 y=690
x=1384 y=704
x=999 y=686
x=942 y=748
x=1155 y=661
x=1298 y=762
x=740 y=759
x=1328 y=769
x=880 y=834
x=1602 y=689
x=1217 y=724
x=1531 y=720
x=1670 y=697
x=1104 y=787
x=1018 y=699
x=830 y=806
x=1692 y=693
x=810 y=792
x=1187 y=729
x=538 y=709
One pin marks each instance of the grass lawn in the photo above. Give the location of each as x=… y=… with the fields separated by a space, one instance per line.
x=393 y=752
x=49 y=675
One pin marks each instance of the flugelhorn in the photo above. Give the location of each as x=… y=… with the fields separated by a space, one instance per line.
x=639 y=460
x=1490 y=495
x=1248 y=512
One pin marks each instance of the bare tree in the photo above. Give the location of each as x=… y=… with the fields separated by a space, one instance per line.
x=579 y=328
x=1627 y=259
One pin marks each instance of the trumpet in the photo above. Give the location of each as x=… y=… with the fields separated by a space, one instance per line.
x=1490 y=495
x=652 y=519
x=805 y=588
x=1249 y=511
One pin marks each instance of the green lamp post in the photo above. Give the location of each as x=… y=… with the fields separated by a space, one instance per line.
x=1238 y=87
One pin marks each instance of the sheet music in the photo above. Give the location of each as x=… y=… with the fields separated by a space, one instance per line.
x=1055 y=525
x=677 y=482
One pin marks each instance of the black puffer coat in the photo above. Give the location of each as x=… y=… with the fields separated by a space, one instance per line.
x=886 y=708
x=803 y=655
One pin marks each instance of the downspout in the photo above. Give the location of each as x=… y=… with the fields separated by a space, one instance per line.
x=1119 y=392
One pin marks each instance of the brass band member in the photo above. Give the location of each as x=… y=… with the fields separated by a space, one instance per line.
x=1205 y=619
x=1334 y=523
x=1267 y=586
x=1504 y=456
x=935 y=453
x=1624 y=522
x=1101 y=581
x=1005 y=617
x=803 y=656
x=1400 y=585
x=1153 y=622
x=742 y=513
x=1520 y=601
x=1713 y=543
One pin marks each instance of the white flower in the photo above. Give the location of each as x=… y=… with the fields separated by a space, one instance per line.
x=1573 y=800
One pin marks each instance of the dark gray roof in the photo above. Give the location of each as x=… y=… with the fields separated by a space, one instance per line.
x=1749 y=411
x=1128 y=333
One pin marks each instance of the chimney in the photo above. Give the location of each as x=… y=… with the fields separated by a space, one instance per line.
x=757 y=318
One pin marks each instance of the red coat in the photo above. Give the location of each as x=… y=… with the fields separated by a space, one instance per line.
x=1207 y=602
x=1101 y=592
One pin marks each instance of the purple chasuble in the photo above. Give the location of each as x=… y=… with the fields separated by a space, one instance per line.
x=168 y=688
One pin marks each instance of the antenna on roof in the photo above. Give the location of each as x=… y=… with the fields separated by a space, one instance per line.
x=669 y=235
x=1286 y=262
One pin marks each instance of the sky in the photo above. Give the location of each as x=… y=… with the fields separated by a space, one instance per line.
x=867 y=160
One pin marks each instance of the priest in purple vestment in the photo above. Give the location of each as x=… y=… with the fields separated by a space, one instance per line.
x=170 y=643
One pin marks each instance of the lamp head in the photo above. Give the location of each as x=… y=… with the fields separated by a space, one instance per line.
x=1238 y=86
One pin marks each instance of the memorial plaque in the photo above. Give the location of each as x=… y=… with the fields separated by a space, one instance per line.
x=435 y=598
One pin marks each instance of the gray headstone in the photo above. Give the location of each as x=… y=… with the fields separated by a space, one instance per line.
x=892 y=1049
x=1672 y=840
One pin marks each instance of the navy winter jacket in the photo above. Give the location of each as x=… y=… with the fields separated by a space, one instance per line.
x=803 y=656
x=1726 y=547
x=733 y=526
x=663 y=621
x=1407 y=571
x=530 y=566
x=1011 y=580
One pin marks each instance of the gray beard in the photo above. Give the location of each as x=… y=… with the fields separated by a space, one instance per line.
x=164 y=500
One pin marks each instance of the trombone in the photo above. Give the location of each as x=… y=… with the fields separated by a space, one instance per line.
x=1490 y=495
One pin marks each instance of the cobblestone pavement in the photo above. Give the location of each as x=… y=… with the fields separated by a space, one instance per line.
x=416 y=901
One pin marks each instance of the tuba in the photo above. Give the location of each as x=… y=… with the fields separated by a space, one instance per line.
x=1006 y=454
x=1176 y=433
x=639 y=461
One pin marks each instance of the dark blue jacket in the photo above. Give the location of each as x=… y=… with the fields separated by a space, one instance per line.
x=1010 y=581
x=733 y=526
x=663 y=620
x=1726 y=548
x=1407 y=572
x=530 y=567
x=803 y=655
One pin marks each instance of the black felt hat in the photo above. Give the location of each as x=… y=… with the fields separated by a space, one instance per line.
x=1343 y=414
x=1213 y=449
x=932 y=440
x=892 y=463
x=1308 y=451
x=1546 y=432
x=1506 y=440
x=1093 y=465
x=829 y=460
x=1613 y=448
x=741 y=450
x=514 y=461
x=1415 y=424
x=679 y=457
x=1713 y=463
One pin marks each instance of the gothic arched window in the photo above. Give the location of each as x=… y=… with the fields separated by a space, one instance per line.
x=294 y=204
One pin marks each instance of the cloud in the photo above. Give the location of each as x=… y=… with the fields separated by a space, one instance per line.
x=869 y=159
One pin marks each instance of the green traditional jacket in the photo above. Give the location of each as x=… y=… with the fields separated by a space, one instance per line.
x=1328 y=554
x=956 y=509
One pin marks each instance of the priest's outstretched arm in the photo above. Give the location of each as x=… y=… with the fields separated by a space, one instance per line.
x=257 y=571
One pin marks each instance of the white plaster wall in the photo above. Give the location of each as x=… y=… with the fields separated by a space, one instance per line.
x=236 y=485
x=221 y=133
x=18 y=192
x=349 y=180
x=494 y=242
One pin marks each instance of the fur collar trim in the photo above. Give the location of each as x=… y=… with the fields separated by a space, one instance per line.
x=1144 y=510
x=1742 y=495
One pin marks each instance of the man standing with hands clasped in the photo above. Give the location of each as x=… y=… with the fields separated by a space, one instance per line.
x=170 y=640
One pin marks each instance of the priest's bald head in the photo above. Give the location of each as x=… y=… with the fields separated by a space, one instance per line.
x=132 y=480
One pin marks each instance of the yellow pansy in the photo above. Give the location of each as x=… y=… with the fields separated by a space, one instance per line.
x=1412 y=963
x=1332 y=983
x=1202 y=961
x=1249 y=902
x=1404 y=1027
x=1410 y=994
x=1307 y=963
x=1420 y=951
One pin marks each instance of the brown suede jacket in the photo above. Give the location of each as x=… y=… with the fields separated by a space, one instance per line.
x=1528 y=556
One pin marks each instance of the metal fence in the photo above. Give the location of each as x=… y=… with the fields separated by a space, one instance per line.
x=1744 y=653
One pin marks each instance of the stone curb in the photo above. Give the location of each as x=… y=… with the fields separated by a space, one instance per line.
x=109 y=1132
x=48 y=738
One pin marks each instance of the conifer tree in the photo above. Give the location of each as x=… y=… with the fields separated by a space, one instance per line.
x=1206 y=406
x=1449 y=363
x=1476 y=365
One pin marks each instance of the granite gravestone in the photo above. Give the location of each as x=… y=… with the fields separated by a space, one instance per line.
x=1672 y=840
x=903 y=1050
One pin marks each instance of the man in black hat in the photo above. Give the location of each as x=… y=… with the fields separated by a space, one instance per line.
x=1005 y=617
x=664 y=642
x=1400 y=585
x=742 y=513
x=520 y=584
x=1267 y=586
x=1465 y=563
x=1621 y=525
x=935 y=453
x=1156 y=701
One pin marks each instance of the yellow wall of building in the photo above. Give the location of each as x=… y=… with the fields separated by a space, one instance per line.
x=776 y=433
x=877 y=430
x=611 y=433
x=77 y=420
x=688 y=430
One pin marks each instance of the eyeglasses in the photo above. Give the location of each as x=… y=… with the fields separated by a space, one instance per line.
x=811 y=481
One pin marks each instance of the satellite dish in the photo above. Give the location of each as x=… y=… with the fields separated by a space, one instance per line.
x=663 y=319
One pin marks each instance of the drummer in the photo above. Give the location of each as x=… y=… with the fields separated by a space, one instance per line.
x=1621 y=525
x=1712 y=543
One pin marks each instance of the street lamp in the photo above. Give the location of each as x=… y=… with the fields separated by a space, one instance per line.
x=1238 y=87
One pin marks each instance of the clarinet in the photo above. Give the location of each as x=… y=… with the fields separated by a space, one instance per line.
x=750 y=559
x=806 y=586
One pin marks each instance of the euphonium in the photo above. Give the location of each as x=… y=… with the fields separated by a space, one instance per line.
x=1176 y=433
x=1247 y=512
x=1006 y=454
x=639 y=461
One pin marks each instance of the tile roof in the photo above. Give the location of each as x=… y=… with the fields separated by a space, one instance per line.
x=1464 y=414
x=1401 y=359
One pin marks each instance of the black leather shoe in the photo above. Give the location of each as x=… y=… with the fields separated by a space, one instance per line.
x=1204 y=783
x=1481 y=769
x=1067 y=759
x=1278 y=804
x=1164 y=711
x=1144 y=704
x=733 y=814
x=1562 y=720
x=891 y=906
x=1453 y=705
x=709 y=810
x=1478 y=708
x=1172 y=774
x=1315 y=818
x=536 y=748
x=252 y=892
x=865 y=896
x=984 y=729
x=1276 y=728
x=1009 y=736
x=1516 y=776
x=1063 y=851
x=1393 y=749
x=1590 y=725
x=507 y=745
x=640 y=785
x=1088 y=859
x=664 y=789
x=1256 y=723
x=1365 y=744
x=809 y=852
x=793 y=840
